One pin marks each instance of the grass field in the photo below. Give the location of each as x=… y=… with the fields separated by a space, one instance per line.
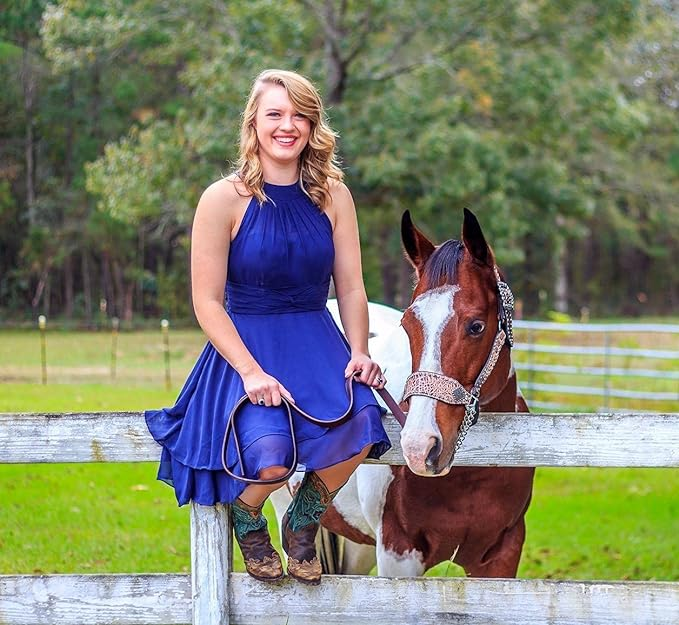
x=582 y=524
x=86 y=357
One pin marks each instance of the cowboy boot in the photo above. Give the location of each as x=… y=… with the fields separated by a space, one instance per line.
x=300 y=525
x=261 y=559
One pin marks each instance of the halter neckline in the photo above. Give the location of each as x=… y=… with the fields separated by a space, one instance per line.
x=283 y=191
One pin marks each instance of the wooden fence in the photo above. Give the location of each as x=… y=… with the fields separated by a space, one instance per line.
x=214 y=595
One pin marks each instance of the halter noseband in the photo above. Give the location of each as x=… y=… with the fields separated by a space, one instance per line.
x=448 y=390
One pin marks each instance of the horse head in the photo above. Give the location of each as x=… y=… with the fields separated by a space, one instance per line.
x=459 y=328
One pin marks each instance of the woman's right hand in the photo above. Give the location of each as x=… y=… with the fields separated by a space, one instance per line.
x=264 y=389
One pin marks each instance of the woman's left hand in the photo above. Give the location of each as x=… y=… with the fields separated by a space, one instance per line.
x=365 y=369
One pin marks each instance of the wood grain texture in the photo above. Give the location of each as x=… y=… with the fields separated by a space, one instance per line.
x=165 y=599
x=95 y=599
x=604 y=440
x=429 y=601
x=210 y=563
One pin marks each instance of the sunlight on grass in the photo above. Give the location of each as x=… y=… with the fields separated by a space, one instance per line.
x=582 y=523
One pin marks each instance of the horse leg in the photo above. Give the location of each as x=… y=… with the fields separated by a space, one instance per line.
x=390 y=563
x=502 y=559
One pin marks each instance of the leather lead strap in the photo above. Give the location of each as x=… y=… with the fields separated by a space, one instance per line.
x=289 y=407
x=399 y=415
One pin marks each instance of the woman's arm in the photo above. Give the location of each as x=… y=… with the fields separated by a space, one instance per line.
x=218 y=214
x=349 y=287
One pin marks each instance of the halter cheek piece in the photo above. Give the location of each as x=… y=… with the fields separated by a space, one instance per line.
x=450 y=391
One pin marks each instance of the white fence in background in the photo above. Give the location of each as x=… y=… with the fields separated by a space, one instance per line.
x=614 y=378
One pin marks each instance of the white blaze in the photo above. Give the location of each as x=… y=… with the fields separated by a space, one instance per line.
x=433 y=309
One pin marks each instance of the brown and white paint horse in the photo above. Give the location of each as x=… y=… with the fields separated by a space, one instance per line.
x=410 y=518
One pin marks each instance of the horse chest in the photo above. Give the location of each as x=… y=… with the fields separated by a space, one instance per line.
x=439 y=516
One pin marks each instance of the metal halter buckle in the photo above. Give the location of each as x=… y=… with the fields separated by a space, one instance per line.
x=506 y=310
x=474 y=408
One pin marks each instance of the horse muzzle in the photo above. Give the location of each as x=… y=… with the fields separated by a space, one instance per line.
x=423 y=454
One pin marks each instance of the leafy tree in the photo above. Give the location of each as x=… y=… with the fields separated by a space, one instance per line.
x=555 y=122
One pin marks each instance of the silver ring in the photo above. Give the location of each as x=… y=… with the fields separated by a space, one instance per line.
x=260 y=401
x=380 y=379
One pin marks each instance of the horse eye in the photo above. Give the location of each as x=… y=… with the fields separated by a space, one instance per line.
x=476 y=327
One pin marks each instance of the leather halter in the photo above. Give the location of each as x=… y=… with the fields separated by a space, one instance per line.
x=289 y=407
x=448 y=390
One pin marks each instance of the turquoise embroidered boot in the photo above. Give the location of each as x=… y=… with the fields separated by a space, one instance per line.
x=249 y=525
x=300 y=525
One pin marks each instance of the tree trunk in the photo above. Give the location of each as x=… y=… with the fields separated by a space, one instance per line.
x=531 y=301
x=47 y=296
x=128 y=304
x=107 y=287
x=561 y=277
x=28 y=84
x=336 y=75
x=87 y=285
x=68 y=287
x=336 y=70
x=387 y=270
x=39 y=290
x=70 y=134
x=140 y=282
x=405 y=283
x=119 y=281
x=95 y=105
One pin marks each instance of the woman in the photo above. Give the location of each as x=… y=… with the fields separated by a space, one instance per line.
x=274 y=233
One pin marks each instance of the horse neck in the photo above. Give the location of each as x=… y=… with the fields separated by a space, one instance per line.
x=505 y=400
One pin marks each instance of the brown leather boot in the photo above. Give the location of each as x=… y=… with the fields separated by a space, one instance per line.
x=261 y=560
x=300 y=525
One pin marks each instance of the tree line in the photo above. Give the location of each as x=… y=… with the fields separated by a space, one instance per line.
x=555 y=122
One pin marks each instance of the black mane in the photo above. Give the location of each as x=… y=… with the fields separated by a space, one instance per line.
x=441 y=268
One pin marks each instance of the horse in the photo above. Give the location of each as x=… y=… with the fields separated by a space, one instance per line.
x=449 y=360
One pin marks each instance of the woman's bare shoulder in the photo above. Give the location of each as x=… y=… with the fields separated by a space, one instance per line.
x=224 y=198
x=338 y=190
x=342 y=203
x=229 y=189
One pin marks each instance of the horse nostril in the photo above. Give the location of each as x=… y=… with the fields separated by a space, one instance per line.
x=434 y=452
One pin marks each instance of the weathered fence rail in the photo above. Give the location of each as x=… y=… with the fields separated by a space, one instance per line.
x=166 y=600
x=213 y=595
x=498 y=439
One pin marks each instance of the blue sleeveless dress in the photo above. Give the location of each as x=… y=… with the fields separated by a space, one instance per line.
x=280 y=263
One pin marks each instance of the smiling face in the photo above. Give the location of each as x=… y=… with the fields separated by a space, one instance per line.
x=282 y=131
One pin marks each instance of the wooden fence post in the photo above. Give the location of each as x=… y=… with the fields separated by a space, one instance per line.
x=210 y=563
x=115 y=325
x=165 y=329
x=42 y=324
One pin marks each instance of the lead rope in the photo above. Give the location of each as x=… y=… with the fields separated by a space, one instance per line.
x=289 y=407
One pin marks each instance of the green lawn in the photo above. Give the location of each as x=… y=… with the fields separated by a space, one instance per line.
x=83 y=358
x=86 y=357
x=582 y=524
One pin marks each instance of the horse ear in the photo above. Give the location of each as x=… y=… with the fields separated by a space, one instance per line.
x=473 y=239
x=418 y=247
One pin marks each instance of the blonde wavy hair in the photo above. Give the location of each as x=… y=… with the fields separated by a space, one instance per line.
x=318 y=162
